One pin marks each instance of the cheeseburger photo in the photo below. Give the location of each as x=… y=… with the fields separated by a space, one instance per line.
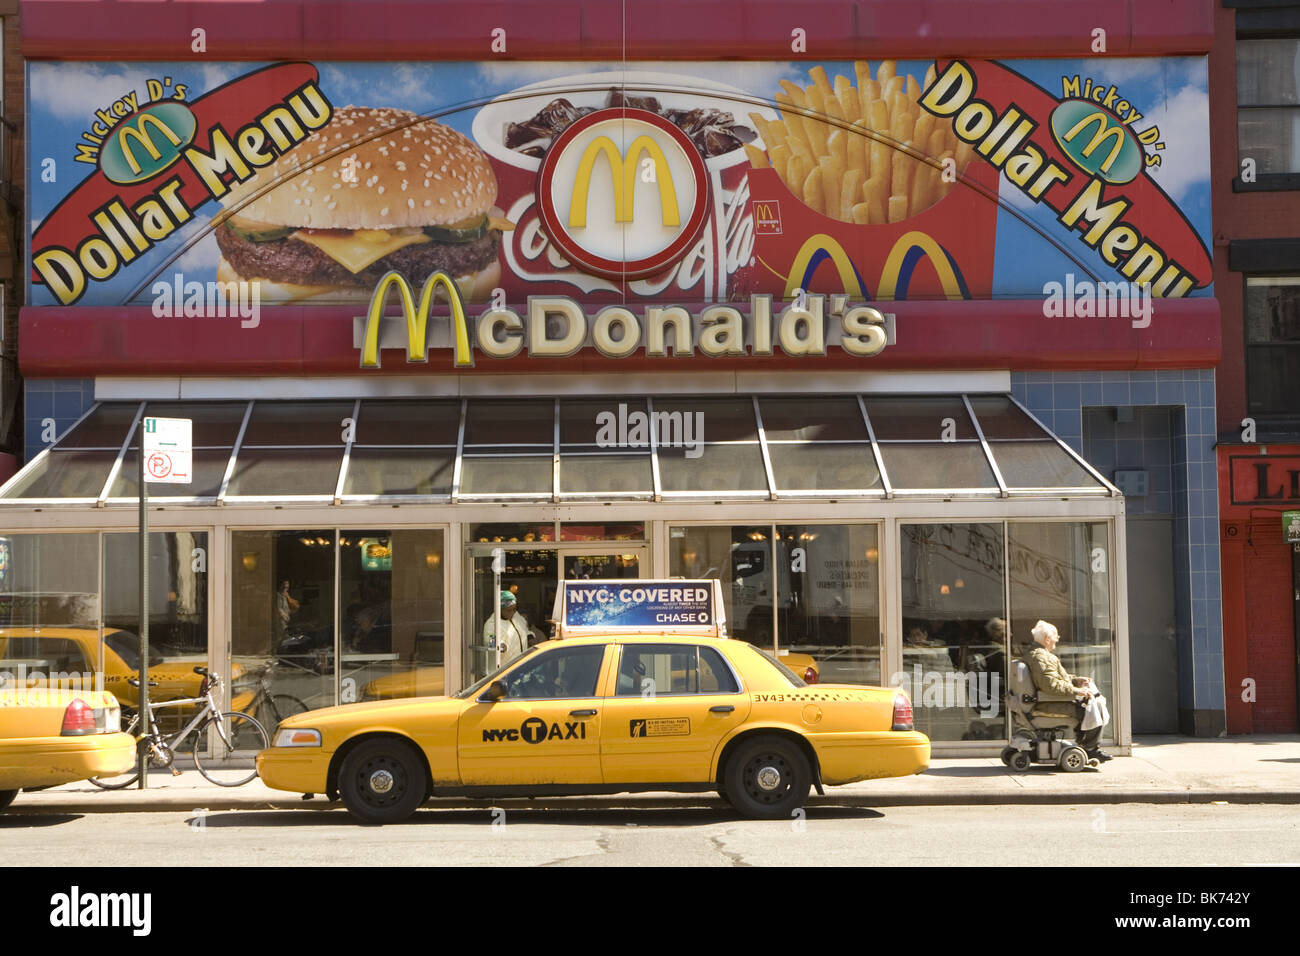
x=407 y=195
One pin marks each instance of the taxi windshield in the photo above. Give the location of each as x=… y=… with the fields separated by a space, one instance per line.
x=478 y=685
x=794 y=679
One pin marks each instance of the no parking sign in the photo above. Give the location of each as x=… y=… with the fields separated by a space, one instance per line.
x=168 y=451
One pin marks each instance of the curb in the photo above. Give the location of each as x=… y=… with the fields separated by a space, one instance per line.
x=615 y=802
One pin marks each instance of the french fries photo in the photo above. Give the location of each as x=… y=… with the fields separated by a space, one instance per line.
x=860 y=149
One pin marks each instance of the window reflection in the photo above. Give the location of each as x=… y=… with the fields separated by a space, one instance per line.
x=829 y=597
x=282 y=616
x=954 y=629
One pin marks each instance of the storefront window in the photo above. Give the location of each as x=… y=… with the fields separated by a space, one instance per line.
x=1060 y=573
x=498 y=532
x=282 y=617
x=612 y=531
x=828 y=591
x=954 y=616
x=178 y=619
x=717 y=468
x=741 y=558
x=391 y=614
x=49 y=610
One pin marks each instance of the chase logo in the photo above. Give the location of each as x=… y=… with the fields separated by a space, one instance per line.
x=145 y=143
x=1096 y=141
x=623 y=192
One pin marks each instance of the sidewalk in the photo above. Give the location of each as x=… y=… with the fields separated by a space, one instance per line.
x=1257 y=769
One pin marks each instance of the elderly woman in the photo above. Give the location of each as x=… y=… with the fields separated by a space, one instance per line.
x=1049 y=675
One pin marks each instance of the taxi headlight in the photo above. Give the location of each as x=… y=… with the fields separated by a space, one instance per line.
x=296 y=737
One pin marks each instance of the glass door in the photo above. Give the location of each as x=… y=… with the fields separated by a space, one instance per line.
x=532 y=573
x=531 y=577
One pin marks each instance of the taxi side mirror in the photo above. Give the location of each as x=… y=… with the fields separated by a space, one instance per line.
x=496 y=691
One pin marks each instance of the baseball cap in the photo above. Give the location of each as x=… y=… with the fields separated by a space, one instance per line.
x=507 y=598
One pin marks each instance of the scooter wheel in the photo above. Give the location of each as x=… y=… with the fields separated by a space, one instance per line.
x=1020 y=761
x=1072 y=759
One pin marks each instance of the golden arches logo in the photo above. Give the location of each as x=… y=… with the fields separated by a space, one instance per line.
x=139 y=132
x=895 y=277
x=623 y=170
x=812 y=254
x=417 y=320
x=1102 y=132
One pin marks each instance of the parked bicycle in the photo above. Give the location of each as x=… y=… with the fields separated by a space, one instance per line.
x=235 y=734
x=265 y=707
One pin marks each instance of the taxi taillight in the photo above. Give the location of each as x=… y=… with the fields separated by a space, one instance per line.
x=902 y=713
x=810 y=675
x=79 y=719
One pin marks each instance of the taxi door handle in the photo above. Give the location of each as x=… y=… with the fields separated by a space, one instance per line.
x=582 y=713
x=721 y=709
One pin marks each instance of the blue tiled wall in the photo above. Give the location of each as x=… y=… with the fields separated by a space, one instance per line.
x=1058 y=398
x=62 y=399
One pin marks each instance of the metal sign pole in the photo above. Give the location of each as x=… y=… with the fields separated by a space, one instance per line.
x=498 y=560
x=143 y=756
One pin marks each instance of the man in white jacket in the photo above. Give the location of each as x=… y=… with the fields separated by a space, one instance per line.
x=514 y=629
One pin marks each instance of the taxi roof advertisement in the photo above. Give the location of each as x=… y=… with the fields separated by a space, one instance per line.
x=717 y=210
x=639 y=605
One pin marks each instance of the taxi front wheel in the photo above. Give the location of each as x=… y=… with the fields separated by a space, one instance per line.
x=382 y=782
x=767 y=778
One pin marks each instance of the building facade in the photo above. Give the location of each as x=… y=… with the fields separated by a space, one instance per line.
x=909 y=350
x=1255 y=116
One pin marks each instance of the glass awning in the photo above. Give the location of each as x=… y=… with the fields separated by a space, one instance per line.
x=570 y=449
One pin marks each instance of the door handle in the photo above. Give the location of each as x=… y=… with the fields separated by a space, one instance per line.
x=582 y=713
x=721 y=709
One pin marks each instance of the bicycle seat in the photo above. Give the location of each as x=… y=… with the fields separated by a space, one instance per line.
x=201 y=671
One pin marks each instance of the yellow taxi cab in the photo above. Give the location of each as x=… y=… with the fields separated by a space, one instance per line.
x=68 y=656
x=429 y=680
x=605 y=713
x=51 y=736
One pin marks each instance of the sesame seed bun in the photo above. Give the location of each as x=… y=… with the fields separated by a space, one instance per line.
x=407 y=172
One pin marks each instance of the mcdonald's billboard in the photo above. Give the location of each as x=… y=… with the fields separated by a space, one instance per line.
x=648 y=184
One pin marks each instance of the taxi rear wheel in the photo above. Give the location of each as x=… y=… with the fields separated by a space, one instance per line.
x=7 y=797
x=767 y=778
x=382 y=781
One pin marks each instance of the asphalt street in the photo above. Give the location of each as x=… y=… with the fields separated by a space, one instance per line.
x=691 y=835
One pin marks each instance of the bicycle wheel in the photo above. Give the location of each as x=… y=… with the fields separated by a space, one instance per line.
x=122 y=780
x=234 y=746
x=280 y=706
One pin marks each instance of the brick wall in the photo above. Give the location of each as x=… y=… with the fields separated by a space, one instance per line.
x=1270 y=629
